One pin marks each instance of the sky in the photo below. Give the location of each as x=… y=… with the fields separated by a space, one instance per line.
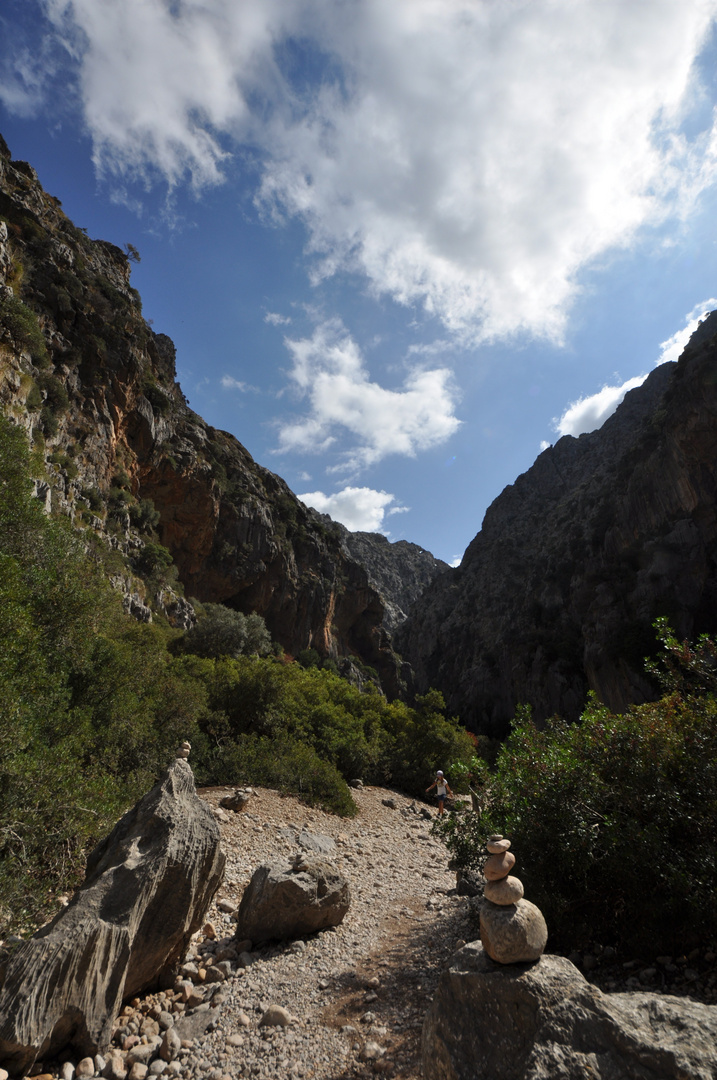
x=401 y=247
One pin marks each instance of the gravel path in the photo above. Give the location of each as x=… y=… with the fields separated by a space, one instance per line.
x=354 y=996
x=357 y=990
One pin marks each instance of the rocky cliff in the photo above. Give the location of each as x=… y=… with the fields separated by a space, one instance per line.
x=129 y=461
x=557 y=593
x=400 y=571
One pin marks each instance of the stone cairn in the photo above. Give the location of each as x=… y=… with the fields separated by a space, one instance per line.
x=184 y=749
x=512 y=930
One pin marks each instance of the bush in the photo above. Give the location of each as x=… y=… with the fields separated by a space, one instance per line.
x=221 y=631
x=154 y=560
x=613 y=821
x=308 y=658
x=90 y=708
x=291 y=767
x=144 y=515
x=20 y=322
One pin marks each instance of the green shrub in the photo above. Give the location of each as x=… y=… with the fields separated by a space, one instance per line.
x=90 y=708
x=308 y=658
x=289 y=766
x=94 y=498
x=65 y=462
x=144 y=515
x=49 y=422
x=33 y=401
x=56 y=397
x=613 y=821
x=154 y=560
x=221 y=631
x=20 y=322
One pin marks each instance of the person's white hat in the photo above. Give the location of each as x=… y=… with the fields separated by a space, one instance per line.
x=439 y=773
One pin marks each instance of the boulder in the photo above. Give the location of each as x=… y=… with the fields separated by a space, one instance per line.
x=514 y=934
x=319 y=843
x=288 y=900
x=236 y=801
x=146 y=891
x=544 y=1021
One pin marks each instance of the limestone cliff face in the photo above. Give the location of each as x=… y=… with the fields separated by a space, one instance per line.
x=126 y=457
x=400 y=571
x=557 y=593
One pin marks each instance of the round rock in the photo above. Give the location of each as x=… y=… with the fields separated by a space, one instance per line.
x=508 y=890
x=499 y=866
x=495 y=847
x=514 y=934
x=276 y=1016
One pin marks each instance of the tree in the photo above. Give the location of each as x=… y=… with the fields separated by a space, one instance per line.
x=221 y=631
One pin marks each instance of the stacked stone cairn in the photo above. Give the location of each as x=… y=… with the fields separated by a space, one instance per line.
x=512 y=930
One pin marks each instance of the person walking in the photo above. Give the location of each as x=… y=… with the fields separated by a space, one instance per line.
x=442 y=789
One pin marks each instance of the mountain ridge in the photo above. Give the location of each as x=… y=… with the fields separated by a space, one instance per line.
x=557 y=593
x=95 y=388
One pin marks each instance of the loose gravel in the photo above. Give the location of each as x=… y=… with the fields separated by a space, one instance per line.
x=348 y=1001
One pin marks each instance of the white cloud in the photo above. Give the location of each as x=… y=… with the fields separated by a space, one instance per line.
x=589 y=413
x=672 y=348
x=358 y=508
x=230 y=383
x=464 y=155
x=274 y=319
x=456 y=561
x=329 y=372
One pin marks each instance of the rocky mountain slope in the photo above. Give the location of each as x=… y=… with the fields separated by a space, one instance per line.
x=128 y=460
x=557 y=593
x=399 y=571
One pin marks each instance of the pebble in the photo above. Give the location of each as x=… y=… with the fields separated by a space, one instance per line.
x=390 y=941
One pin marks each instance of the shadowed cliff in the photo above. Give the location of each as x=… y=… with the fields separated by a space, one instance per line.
x=557 y=593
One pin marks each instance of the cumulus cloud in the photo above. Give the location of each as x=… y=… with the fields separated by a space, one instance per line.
x=275 y=319
x=671 y=349
x=358 y=508
x=329 y=373
x=466 y=156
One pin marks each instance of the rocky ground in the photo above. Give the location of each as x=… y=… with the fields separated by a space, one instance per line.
x=359 y=991
x=348 y=1001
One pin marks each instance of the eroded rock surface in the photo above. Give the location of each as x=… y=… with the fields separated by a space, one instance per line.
x=147 y=888
x=544 y=1021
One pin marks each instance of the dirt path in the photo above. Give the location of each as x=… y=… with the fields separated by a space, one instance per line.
x=356 y=990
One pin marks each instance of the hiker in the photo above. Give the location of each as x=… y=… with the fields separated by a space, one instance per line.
x=442 y=788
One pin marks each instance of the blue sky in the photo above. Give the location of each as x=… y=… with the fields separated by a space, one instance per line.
x=400 y=246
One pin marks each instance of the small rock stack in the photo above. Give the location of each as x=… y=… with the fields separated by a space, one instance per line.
x=512 y=930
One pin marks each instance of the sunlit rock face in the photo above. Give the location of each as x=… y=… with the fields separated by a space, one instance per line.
x=557 y=593
x=399 y=571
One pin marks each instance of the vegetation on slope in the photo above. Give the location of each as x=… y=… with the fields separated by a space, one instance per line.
x=94 y=704
x=614 y=819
